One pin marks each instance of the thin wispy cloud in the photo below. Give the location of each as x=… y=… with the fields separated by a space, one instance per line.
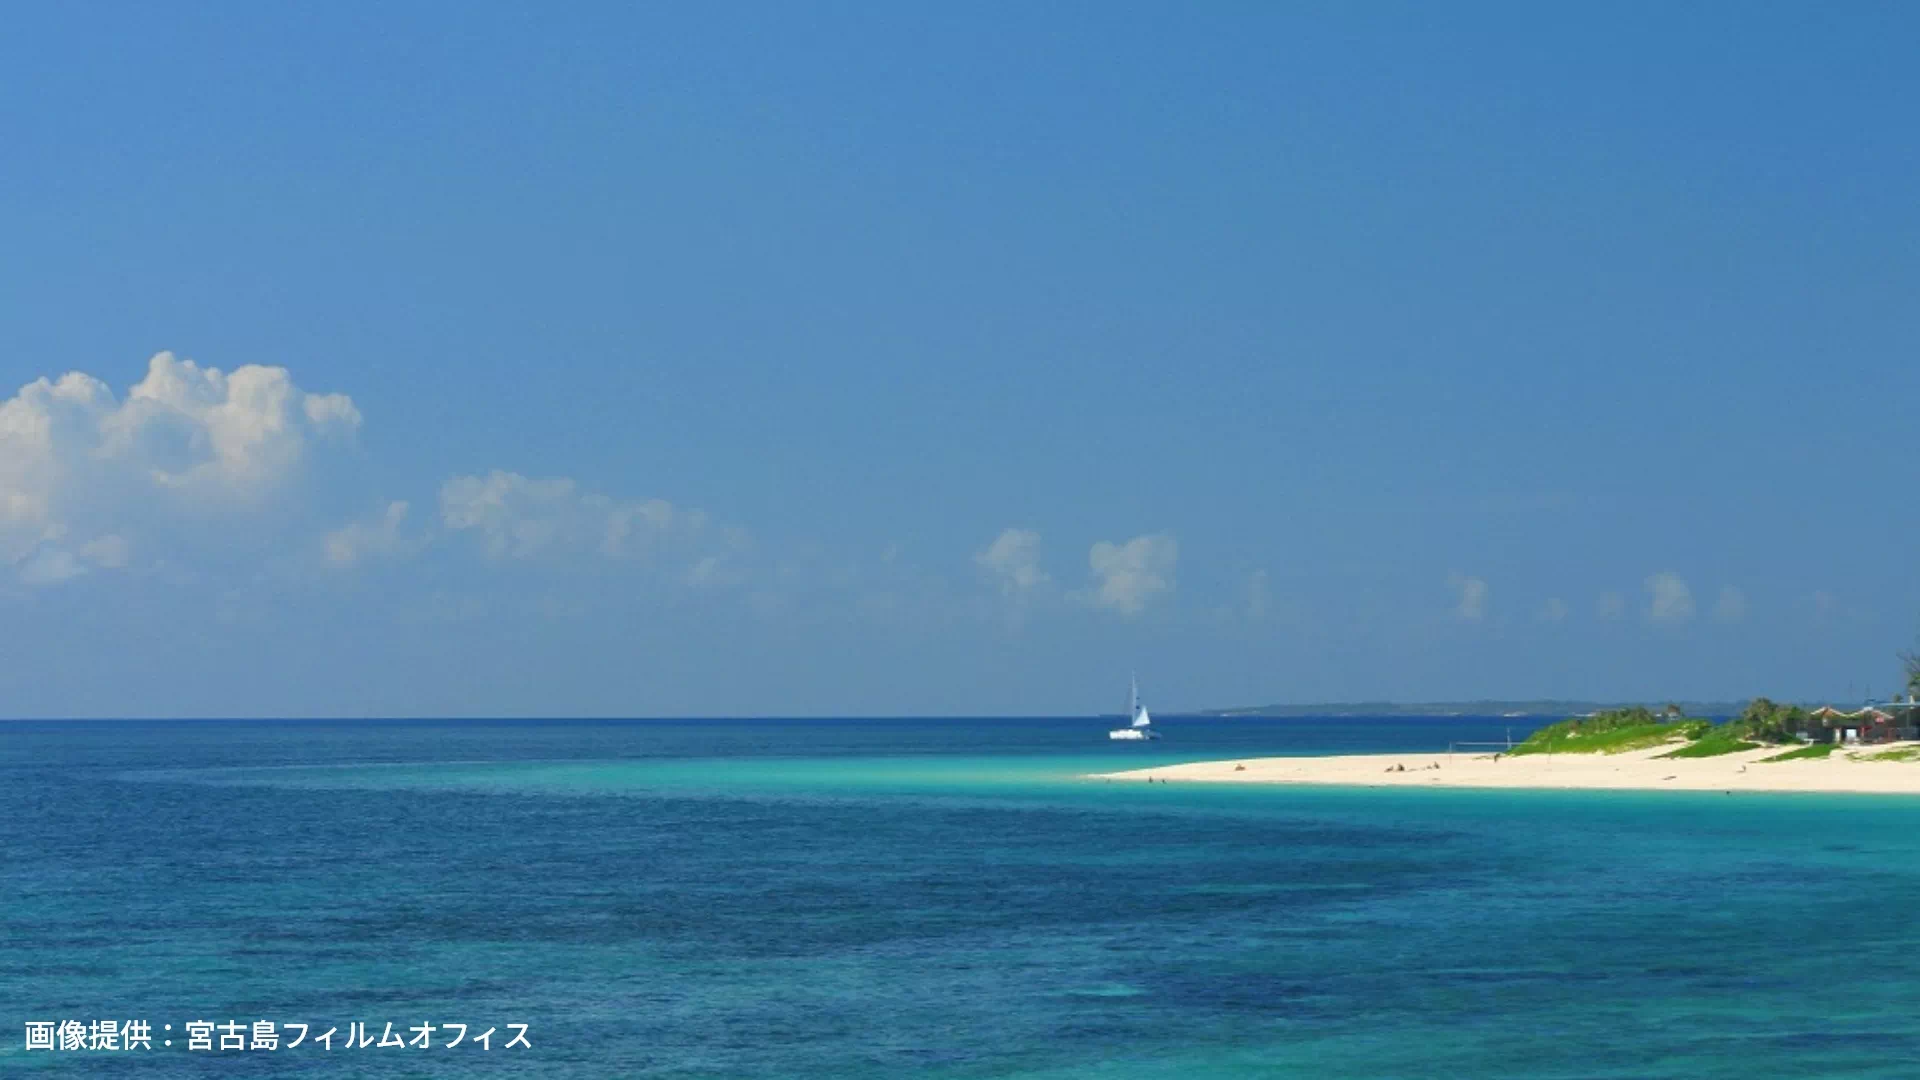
x=1470 y=603
x=1127 y=577
x=361 y=540
x=715 y=571
x=1730 y=605
x=1669 y=600
x=528 y=519
x=1012 y=562
x=50 y=567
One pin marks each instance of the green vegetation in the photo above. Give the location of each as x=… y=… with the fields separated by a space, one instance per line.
x=1718 y=741
x=1539 y=709
x=1613 y=732
x=1765 y=722
x=1813 y=750
x=1613 y=741
x=1761 y=723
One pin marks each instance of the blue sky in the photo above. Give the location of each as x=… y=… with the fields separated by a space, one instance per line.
x=878 y=359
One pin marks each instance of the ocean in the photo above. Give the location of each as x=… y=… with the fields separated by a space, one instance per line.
x=919 y=898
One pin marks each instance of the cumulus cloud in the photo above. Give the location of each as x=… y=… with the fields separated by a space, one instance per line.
x=1668 y=598
x=1554 y=610
x=1611 y=605
x=77 y=462
x=1127 y=576
x=1472 y=603
x=1731 y=605
x=191 y=425
x=360 y=540
x=1012 y=562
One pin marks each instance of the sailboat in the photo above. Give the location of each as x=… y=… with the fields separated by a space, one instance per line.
x=1139 y=723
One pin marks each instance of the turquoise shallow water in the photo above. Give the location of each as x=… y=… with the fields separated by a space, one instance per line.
x=940 y=899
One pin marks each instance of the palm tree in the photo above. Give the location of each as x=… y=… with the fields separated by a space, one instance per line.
x=1910 y=661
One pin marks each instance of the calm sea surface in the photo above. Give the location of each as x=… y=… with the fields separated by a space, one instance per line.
x=940 y=899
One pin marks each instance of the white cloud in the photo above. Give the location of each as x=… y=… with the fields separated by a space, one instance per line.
x=1731 y=606
x=713 y=571
x=1129 y=575
x=192 y=461
x=1669 y=599
x=1012 y=561
x=1554 y=610
x=1472 y=605
x=360 y=540
x=1612 y=605
x=50 y=566
x=74 y=460
x=200 y=426
x=632 y=527
x=521 y=518
x=109 y=551
x=516 y=516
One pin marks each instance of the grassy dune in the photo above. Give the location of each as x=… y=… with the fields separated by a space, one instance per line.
x=1611 y=733
x=1714 y=743
x=1642 y=729
x=1817 y=750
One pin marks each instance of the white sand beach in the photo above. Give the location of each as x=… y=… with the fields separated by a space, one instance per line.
x=1847 y=770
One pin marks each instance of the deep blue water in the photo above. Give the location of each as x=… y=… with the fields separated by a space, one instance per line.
x=939 y=899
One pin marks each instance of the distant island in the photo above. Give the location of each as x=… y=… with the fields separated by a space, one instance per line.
x=1516 y=709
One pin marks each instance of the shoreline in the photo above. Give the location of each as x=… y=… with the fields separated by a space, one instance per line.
x=1847 y=771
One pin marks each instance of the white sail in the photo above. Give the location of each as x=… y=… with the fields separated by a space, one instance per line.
x=1138 y=722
